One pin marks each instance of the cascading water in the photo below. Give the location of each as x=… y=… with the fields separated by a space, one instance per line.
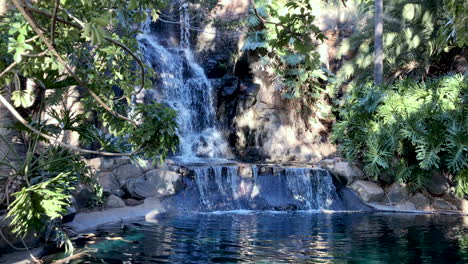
x=221 y=188
x=182 y=84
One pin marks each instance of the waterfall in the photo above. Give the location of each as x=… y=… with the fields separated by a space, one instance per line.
x=182 y=84
x=221 y=188
x=184 y=26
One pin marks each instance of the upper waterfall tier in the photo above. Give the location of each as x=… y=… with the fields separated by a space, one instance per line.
x=182 y=84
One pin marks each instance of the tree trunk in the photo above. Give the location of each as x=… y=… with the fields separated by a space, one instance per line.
x=378 y=42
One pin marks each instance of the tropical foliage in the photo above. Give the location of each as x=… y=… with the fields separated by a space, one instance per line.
x=285 y=37
x=417 y=38
x=410 y=128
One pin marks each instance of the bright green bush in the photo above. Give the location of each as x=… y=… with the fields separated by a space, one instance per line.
x=409 y=129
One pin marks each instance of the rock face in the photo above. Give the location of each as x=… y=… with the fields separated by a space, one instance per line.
x=368 y=191
x=346 y=171
x=114 y=201
x=261 y=124
x=397 y=192
x=154 y=183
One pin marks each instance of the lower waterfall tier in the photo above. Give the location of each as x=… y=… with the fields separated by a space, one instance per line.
x=228 y=187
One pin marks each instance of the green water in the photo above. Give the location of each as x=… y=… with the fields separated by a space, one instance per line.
x=292 y=237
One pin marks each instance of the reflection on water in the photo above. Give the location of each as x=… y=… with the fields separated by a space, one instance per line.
x=242 y=237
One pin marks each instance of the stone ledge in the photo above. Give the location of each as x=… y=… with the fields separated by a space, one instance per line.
x=91 y=220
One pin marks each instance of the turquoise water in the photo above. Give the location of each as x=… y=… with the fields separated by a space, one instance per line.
x=282 y=237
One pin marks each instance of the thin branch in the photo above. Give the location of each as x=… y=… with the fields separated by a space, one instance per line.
x=54 y=19
x=65 y=64
x=48 y=14
x=7 y=69
x=40 y=54
x=121 y=45
x=37 y=132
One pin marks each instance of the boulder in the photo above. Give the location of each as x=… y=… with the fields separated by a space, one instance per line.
x=443 y=205
x=397 y=192
x=106 y=164
x=155 y=183
x=346 y=171
x=127 y=172
x=438 y=184
x=30 y=239
x=368 y=191
x=94 y=164
x=421 y=202
x=83 y=198
x=109 y=183
x=113 y=201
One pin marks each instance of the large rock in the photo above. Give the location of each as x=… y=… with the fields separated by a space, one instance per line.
x=109 y=183
x=397 y=192
x=368 y=191
x=421 y=202
x=127 y=172
x=106 y=164
x=114 y=201
x=438 y=184
x=443 y=205
x=347 y=172
x=83 y=198
x=155 y=183
x=15 y=240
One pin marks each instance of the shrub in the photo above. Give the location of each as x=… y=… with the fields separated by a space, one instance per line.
x=409 y=129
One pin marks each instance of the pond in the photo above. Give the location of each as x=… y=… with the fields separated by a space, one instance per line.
x=281 y=237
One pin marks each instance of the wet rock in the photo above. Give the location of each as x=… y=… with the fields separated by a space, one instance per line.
x=109 y=183
x=368 y=191
x=133 y=202
x=443 y=205
x=397 y=192
x=421 y=202
x=346 y=171
x=245 y=171
x=230 y=84
x=127 y=172
x=438 y=184
x=114 y=201
x=155 y=183
x=406 y=205
x=265 y=170
x=216 y=66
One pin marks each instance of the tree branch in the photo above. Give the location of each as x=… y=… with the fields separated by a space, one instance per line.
x=79 y=25
x=7 y=69
x=54 y=19
x=65 y=64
